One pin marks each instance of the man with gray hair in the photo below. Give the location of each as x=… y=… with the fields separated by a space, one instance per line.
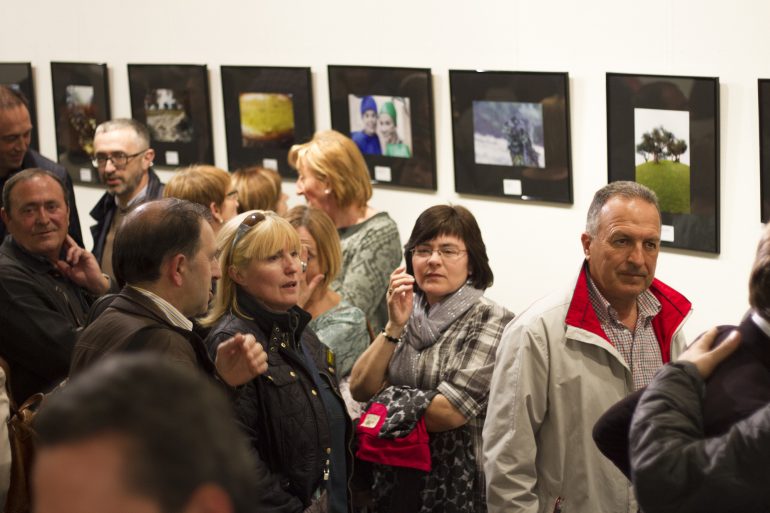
x=572 y=355
x=15 y=153
x=123 y=158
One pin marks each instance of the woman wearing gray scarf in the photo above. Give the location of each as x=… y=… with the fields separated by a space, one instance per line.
x=442 y=335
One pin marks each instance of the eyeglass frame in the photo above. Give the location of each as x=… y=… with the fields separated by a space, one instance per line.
x=440 y=251
x=111 y=158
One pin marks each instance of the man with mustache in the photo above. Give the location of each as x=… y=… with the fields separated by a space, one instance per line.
x=47 y=283
x=123 y=157
x=15 y=153
x=572 y=355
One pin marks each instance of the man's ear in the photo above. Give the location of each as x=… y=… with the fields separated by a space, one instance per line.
x=209 y=498
x=148 y=157
x=176 y=269
x=4 y=215
x=585 y=240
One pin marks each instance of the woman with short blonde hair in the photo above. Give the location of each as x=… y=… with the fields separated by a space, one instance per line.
x=338 y=323
x=208 y=186
x=259 y=188
x=334 y=178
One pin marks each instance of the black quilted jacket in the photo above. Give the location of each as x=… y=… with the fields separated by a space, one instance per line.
x=281 y=411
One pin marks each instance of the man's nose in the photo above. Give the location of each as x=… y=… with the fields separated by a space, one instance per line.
x=636 y=254
x=42 y=216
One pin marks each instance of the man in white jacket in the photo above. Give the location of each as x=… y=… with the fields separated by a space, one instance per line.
x=575 y=353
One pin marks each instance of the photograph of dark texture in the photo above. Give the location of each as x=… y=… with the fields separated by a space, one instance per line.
x=388 y=112
x=80 y=103
x=18 y=75
x=511 y=134
x=173 y=101
x=662 y=131
x=267 y=110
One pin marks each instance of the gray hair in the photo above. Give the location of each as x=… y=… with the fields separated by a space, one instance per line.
x=123 y=124
x=626 y=189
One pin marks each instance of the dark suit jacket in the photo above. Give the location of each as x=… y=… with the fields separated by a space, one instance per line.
x=738 y=387
x=104 y=211
x=131 y=322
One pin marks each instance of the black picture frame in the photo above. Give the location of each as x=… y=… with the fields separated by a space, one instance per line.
x=19 y=76
x=279 y=104
x=688 y=110
x=764 y=148
x=183 y=90
x=412 y=160
x=511 y=134
x=81 y=101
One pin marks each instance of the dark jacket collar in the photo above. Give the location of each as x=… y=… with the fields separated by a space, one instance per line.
x=106 y=203
x=292 y=321
x=37 y=263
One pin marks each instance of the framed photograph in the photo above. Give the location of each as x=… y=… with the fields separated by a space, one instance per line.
x=663 y=132
x=388 y=112
x=80 y=103
x=173 y=101
x=267 y=110
x=18 y=75
x=764 y=147
x=511 y=133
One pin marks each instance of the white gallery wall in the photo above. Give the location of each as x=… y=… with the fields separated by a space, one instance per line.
x=534 y=247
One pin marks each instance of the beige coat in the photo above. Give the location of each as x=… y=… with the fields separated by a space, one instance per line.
x=551 y=383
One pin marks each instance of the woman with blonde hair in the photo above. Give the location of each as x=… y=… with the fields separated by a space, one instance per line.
x=293 y=414
x=334 y=178
x=208 y=186
x=259 y=188
x=338 y=323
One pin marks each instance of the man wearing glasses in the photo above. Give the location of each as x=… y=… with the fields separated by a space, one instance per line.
x=123 y=158
x=15 y=153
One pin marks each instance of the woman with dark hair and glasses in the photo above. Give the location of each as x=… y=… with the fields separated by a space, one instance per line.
x=438 y=349
x=293 y=414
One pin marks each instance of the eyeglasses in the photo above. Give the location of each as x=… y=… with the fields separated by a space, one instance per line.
x=118 y=159
x=247 y=224
x=445 y=252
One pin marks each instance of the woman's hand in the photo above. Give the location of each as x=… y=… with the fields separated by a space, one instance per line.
x=400 y=300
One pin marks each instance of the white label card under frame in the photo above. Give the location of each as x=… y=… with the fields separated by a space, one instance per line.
x=270 y=164
x=172 y=158
x=511 y=187
x=667 y=233
x=86 y=175
x=382 y=174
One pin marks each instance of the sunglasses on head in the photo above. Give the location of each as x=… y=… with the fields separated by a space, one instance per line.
x=247 y=224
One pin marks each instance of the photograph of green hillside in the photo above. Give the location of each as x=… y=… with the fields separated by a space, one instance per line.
x=662 y=156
